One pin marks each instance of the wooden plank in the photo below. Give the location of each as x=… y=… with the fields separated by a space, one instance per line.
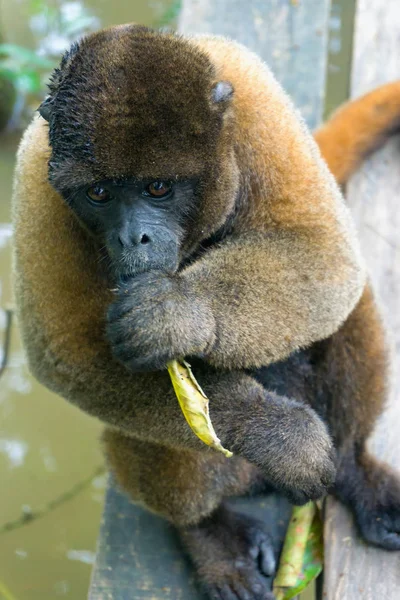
x=138 y=554
x=290 y=35
x=354 y=570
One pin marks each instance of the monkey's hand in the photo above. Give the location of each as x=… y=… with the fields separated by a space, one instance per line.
x=154 y=319
x=286 y=439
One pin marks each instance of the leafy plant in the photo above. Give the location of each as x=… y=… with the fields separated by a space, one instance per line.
x=24 y=68
x=54 y=28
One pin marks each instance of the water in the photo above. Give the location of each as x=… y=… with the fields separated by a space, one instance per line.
x=47 y=447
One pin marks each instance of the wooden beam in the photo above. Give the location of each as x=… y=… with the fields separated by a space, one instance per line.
x=290 y=35
x=355 y=571
x=139 y=556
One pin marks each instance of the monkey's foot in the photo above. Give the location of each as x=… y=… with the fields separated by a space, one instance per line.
x=378 y=514
x=381 y=526
x=233 y=555
x=373 y=491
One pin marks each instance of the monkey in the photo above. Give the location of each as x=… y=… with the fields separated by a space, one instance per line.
x=169 y=202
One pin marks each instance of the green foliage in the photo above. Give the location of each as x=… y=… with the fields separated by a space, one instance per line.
x=312 y=562
x=25 y=71
x=24 y=56
x=56 y=27
x=24 y=68
x=170 y=14
x=302 y=555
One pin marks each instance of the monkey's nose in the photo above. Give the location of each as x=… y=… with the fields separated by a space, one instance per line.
x=133 y=239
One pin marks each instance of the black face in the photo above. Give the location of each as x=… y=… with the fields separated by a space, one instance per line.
x=141 y=223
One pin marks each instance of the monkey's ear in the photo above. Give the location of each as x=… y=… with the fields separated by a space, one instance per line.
x=222 y=92
x=45 y=108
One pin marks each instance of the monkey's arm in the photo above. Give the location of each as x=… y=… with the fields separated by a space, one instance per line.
x=288 y=275
x=247 y=303
x=293 y=284
x=274 y=293
x=62 y=298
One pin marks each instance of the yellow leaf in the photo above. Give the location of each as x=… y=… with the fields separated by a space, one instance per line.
x=194 y=404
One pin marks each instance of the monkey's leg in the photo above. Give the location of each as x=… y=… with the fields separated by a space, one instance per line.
x=230 y=551
x=183 y=486
x=372 y=489
x=352 y=381
x=232 y=554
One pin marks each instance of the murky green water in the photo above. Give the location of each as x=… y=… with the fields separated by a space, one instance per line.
x=48 y=447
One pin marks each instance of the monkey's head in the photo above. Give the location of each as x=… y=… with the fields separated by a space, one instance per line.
x=141 y=146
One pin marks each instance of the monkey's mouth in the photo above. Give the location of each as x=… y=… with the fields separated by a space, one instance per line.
x=123 y=271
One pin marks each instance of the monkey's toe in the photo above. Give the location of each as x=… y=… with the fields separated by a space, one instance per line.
x=233 y=555
x=260 y=548
x=381 y=527
x=242 y=582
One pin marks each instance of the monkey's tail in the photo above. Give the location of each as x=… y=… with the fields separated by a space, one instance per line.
x=359 y=128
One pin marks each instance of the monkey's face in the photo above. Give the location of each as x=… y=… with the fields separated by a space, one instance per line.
x=140 y=132
x=141 y=222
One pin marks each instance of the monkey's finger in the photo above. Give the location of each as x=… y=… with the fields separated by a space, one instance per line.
x=228 y=594
x=256 y=589
x=267 y=559
x=152 y=283
x=242 y=593
x=138 y=360
x=120 y=308
x=213 y=592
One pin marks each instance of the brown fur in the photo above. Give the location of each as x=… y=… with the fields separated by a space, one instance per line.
x=285 y=275
x=359 y=128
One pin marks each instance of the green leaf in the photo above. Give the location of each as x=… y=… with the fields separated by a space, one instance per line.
x=10 y=74
x=29 y=82
x=313 y=560
x=194 y=404
x=37 y=6
x=79 y=26
x=23 y=56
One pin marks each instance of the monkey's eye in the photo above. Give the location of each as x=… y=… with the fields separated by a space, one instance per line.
x=158 y=189
x=98 y=194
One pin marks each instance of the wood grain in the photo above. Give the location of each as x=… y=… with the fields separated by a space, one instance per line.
x=291 y=36
x=354 y=570
x=138 y=556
